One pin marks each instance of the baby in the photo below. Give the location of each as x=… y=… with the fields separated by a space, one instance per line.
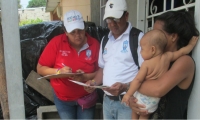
x=156 y=63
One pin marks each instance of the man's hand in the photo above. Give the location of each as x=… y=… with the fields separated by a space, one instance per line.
x=116 y=89
x=137 y=107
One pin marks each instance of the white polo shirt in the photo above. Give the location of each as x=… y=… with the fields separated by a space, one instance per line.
x=117 y=60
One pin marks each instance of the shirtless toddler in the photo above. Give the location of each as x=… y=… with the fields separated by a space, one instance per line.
x=156 y=62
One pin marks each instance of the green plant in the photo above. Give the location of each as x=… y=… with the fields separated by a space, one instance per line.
x=36 y=3
x=30 y=21
x=19 y=5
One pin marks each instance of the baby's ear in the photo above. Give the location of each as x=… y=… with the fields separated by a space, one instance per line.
x=153 y=50
x=174 y=37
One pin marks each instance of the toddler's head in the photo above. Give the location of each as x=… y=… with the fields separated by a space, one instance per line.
x=152 y=44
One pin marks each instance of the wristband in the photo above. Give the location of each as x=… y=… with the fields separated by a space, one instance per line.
x=94 y=82
x=58 y=71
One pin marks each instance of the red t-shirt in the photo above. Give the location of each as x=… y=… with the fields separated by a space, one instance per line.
x=59 y=51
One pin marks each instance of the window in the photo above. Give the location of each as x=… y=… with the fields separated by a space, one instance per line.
x=157 y=7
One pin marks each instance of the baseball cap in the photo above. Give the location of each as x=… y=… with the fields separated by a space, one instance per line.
x=73 y=20
x=115 y=8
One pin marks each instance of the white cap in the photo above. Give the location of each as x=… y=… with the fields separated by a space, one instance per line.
x=73 y=20
x=115 y=8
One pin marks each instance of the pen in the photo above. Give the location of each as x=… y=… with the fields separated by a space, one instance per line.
x=63 y=65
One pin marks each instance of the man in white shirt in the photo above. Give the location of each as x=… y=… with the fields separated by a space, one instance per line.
x=117 y=67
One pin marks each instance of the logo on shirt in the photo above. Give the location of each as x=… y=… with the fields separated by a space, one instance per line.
x=64 y=52
x=88 y=54
x=125 y=45
x=111 y=5
x=105 y=51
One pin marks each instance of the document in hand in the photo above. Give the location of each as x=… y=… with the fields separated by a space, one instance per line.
x=62 y=75
x=83 y=84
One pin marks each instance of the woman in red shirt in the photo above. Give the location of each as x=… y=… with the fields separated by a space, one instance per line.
x=71 y=52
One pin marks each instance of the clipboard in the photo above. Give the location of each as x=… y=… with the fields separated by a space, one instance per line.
x=83 y=84
x=62 y=75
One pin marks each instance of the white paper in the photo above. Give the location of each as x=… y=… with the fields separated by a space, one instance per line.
x=83 y=84
x=62 y=75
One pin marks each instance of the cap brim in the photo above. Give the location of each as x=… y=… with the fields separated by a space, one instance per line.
x=114 y=14
x=72 y=26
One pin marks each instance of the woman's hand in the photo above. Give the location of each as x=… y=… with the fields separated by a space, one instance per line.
x=80 y=77
x=64 y=69
x=88 y=88
x=137 y=107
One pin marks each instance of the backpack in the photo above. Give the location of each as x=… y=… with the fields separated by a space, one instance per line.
x=133 y=42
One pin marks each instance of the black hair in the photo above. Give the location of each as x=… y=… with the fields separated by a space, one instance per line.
x=124 y=13
x=181 y=23
x=63 y=27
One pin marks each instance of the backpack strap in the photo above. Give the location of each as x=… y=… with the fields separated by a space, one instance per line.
x=105 y=40
x=133 y=42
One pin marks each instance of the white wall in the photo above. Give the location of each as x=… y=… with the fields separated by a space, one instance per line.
x=132 y=9
x=194 y=102
x=33 y=13
x=83 y=6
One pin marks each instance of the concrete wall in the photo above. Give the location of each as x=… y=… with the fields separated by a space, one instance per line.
x=82 y=6
x=194 y=106
x=95 y=11
x=33 y=13
x=90 y=9
x=132 y=9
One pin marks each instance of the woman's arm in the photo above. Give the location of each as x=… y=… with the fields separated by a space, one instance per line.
x=181 y=70
x=99 y=77
x=83 y=77
x=97 y=80
x=45 y=70
x=89 y=76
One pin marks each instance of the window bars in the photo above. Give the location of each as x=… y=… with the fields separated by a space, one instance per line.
x=157 y=7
